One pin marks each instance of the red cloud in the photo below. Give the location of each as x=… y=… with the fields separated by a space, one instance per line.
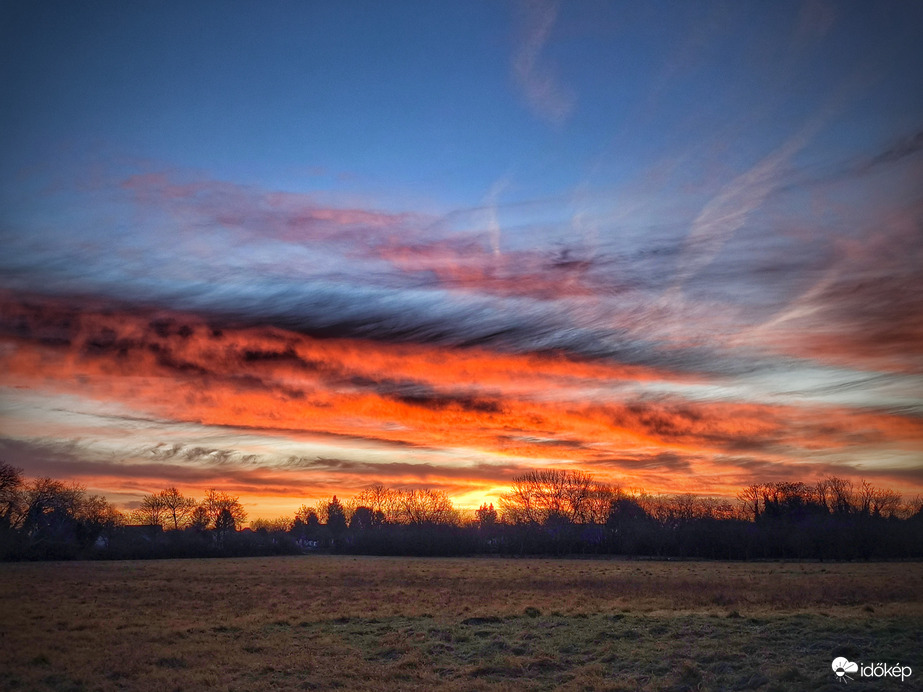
x=543 y=408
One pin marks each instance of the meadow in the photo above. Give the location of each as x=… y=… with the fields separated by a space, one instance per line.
x=363 y=623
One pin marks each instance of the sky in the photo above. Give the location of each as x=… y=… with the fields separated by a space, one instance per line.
x=294 y=249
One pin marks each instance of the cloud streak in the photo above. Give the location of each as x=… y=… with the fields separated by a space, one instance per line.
x=514 y=409
x=535 y=75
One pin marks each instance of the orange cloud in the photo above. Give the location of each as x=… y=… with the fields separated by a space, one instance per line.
x=528 y=409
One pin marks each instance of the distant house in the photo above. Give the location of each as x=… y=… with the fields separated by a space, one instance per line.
x=307 y=544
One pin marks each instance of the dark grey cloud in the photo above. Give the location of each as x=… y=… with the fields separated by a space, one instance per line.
x=518 y=325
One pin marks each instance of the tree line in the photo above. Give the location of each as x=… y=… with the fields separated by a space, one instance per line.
x=548 y=511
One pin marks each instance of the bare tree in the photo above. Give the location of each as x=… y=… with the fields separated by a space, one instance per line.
x=11 y=497
x=281 y=524
x=544 y=495
x=214 y=503
x=380 y=499
x=199 y=519
x=599 y=500
x=178 y=508
x=715 y=508
x=427 y=507
x=486 y=516
x=319 y=508
x=750 y=497
x=49 y=502
x=308 y=516
x=684 y=507
x=878 y=502
x=152 y=511
x=840 y=492
x=51 y=515
x=99 y=518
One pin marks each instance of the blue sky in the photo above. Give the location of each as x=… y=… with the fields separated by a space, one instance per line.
x=721 y=191
x=440 y=101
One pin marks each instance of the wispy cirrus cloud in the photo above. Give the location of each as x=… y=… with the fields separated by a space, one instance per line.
x=254 y=256
x=535 y=74
x=903 y=151
x=260 y=214
x=861 y=309
x=727 y=212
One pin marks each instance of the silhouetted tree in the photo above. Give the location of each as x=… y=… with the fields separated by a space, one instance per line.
x=545 y=512
x=50 y=519
x=11 y=485
x=216 y=502
x=225 y=522
x=280 y=525
x=384 y=502
x=336 y=517
x=362 y=519
x=11 y=509
x=486 y=516
x=177 y=508
x=199 y=519
x=307 y=515
x=151 y=512
x=98 y=519
x=838 y=493
x=552 y=495
x=877 y=502
x=630 y=527
x=426 y=507
x=750 y=498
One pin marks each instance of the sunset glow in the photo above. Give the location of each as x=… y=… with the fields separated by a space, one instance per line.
x=452 y=244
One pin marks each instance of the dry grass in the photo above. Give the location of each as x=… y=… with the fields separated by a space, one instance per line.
x=320 y=622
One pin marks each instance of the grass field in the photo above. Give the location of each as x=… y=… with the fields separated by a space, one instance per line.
x=362 y=623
